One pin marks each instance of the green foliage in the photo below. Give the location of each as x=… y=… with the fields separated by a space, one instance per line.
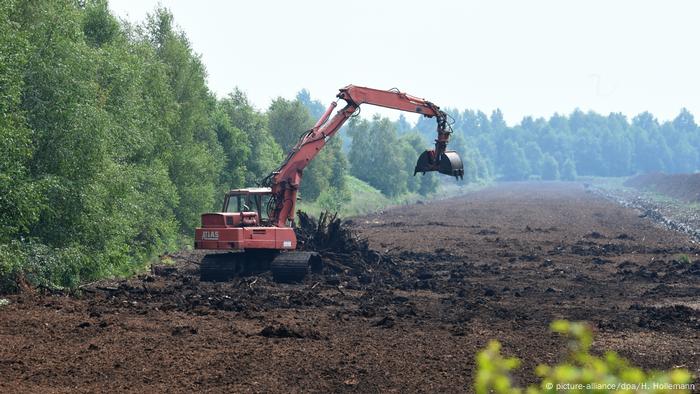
x=376 y=156
x=515 y=165
x=236 y=150
x=493 y=371
x=265 y=154
x=111 y=144
x=18 y=197
x=288 y=120
x=196 y=155
x=595 y=145
x=333 y=152
x=364 y=199
x=332 y=199
x=339 y=164
x=99 y=26
x=38 y=265
x=315 y=108
x=412 y=145
x=326 y=171
x=684 y=258
x=550 y=168
x=581 y=372
x=568 y=170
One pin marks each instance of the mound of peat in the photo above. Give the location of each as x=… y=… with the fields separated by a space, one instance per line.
x=684 y=187
x=343 y=252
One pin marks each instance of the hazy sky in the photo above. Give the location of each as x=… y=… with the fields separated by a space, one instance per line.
x=526 y=57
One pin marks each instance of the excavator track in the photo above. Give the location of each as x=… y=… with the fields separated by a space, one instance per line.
x=294 y=266
x=222 y=267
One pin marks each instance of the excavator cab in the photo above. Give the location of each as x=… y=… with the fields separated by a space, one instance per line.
x=247 y=201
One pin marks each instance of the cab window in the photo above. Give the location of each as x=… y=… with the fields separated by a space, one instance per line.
x=238 y=203
x=249 y=203
x=263 y=206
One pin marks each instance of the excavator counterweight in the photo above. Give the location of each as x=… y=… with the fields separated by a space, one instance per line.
x=254 y=231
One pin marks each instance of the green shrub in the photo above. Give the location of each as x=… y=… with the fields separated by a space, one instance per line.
x=331 y=199
x=684 y=258
x=10 y=263
x=28 y=262
x=581 y=372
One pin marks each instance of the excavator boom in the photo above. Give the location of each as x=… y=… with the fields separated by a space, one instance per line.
x=285 y=181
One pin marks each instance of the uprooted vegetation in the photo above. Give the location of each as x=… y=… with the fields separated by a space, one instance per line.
x=328 y=233
x=335 y=239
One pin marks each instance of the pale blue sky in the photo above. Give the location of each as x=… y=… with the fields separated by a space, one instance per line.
x=526 y=57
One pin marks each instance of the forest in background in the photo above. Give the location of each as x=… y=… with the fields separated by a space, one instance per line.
x=567 y=146
x=112 y=144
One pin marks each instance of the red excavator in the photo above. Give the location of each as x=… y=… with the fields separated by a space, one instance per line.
x=254 y=230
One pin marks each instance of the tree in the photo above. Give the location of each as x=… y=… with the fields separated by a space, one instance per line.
x=550 y=168
x=19 y=208
x=402 y=125
x=265 y=153
x=375 y=155
x=534 y=156
x=287 y=121
x=339 y=164
x=100 y=27
x=196 y=155
x=685 y=122
x=616 y=152
x=497 y=124
x=514 y=165
x=581 y=370
x=412 y=145
x=315 y=107
x=568 y=170
x=236 y=148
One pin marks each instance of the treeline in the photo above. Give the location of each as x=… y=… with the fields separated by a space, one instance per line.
x=113 y=145
x=564 y=147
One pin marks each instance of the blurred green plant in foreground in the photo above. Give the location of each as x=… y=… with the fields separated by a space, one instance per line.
x=684 y=258
x=581 y=372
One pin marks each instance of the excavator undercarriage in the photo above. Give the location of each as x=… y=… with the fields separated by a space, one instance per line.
x=291 y=266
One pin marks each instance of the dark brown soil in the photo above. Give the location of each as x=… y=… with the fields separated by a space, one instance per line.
x=684 y=187
x=449 y=276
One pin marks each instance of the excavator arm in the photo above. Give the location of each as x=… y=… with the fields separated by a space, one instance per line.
x=285 y=181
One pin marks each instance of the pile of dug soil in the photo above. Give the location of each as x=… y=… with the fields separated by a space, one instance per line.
x=328 y=234
x=347 y=258
x=684 y=187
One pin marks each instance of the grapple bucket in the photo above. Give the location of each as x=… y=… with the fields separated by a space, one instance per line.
x=449 y=163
